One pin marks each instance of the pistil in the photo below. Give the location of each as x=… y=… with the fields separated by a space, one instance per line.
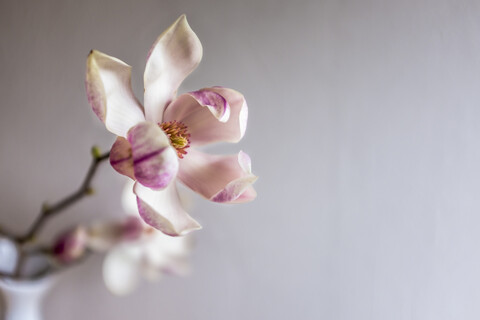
x=178 y=135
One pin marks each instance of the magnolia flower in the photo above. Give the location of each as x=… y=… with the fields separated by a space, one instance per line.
x=135 y=249
x=155 y=143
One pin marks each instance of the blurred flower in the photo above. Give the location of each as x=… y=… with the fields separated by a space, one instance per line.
x=135 y=249
x=70 y=245
x=154 y=144
x=104 y=236
x=151 y=256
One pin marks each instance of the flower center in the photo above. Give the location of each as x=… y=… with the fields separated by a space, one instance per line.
x=178 y=135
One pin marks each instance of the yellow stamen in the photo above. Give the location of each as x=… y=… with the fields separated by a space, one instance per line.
x=178 y=135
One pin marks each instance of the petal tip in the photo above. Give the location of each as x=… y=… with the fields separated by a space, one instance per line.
x=194 y=227
x=234 y=190
x=172 y=57
x=245 y=161
x=183 y=17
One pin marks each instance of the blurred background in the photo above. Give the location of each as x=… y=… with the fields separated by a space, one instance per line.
x=363 y=128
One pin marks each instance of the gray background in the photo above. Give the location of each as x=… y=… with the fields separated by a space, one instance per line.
x=363 y=129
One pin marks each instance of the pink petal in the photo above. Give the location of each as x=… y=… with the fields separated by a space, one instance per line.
x=248 y=195
x=155 y=162
x=163 y=210
x=225 y=179
x=121 y=157
x=224 y=118
x=110 y=93
x=173 y=56
x=197 y=105
x=239 y=111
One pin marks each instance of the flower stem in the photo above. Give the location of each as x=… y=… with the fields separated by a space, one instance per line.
x=49 y=211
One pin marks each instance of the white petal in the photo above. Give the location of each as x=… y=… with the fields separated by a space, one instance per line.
x=110 y=93
x=173 y=56
x=162 y=210
x=121 y=269
x=129 y=200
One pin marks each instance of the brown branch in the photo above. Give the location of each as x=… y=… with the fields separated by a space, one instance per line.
x=49 y=211
x=46 y=213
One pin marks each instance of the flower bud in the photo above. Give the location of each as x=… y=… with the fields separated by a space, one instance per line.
x=70 y=245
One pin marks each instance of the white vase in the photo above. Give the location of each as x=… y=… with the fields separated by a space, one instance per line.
x=23 y=299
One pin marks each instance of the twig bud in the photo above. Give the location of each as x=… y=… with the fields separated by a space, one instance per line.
x=96 y=152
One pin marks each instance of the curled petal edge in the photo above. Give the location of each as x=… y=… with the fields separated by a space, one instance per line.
x=215 y=102
x=238 y=105
x=239 y=190
x=233 y=191
x=211 y=115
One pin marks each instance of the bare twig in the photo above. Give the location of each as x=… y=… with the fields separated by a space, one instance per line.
x=50 y=211
x=47 y=212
